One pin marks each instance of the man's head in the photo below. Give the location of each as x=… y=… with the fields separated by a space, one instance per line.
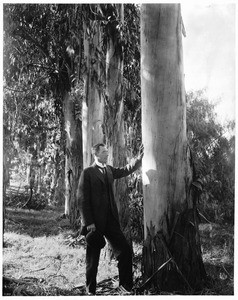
x=100 y=152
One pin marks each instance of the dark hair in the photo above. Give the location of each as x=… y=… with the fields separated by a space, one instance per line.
x=96 y=148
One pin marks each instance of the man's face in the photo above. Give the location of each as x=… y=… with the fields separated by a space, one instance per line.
x=102 y=154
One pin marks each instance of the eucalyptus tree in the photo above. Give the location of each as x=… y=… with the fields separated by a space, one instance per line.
x=114 y=108
x=107 y=43
x=94 y=78
x=49 y=38
x=171 y=240
x=131 y=77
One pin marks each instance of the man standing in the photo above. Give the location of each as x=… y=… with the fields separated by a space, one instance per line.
x=100 y=217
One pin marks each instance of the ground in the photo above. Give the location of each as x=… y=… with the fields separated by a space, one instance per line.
x=42 y=256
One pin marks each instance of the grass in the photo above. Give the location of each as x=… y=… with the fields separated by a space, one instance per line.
x=37 y=246
x=39 y=249
x=45 y=258
x=218 y=255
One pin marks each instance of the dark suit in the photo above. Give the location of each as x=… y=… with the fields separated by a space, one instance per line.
x=97 y=205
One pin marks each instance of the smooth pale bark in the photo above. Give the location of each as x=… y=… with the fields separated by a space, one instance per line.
x=93 y=104
x=167 y=170
x=73 y=159
x=114 y=122
x=163 y=110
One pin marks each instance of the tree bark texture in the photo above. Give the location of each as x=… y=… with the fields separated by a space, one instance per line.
x=5 y=182
x=93 y=104
x=73 y=161
x=55 y=177
x=170 y=219
x=114 y=122
x=58 y=192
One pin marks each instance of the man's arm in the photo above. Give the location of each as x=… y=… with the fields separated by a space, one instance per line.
x=84 y=200
x=129 y=168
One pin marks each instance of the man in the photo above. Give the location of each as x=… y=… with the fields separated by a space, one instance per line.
x=100 y=217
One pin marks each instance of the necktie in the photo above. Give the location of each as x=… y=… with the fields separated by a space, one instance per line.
x=102 y=170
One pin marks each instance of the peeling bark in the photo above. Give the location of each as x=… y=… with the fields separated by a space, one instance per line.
x=93 y=104
x=73 y=160
x=114 y=122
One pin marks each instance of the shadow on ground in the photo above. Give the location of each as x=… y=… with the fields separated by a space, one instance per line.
x=35 y=223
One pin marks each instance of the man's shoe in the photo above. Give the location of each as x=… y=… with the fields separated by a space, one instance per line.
x=120 y=290
x=90 y=294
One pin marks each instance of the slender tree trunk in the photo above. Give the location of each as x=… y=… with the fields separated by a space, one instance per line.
x=55 y=176
x=56 y=166
x=73 y=124
x=6 y=181
x=58 y=195
x=93 y=104
x=114 y=121
x=32 y=175
x=170 y=218
x=73 y=161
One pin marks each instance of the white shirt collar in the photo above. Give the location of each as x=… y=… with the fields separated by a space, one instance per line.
x=99 y=164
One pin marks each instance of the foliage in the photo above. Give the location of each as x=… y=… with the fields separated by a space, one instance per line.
x=42 y=48
x=213 y=147
x=41 y=60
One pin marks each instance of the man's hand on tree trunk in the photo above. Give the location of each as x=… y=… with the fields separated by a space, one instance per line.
x=91 y=227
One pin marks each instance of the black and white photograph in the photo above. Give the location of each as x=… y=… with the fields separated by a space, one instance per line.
x=118 y=148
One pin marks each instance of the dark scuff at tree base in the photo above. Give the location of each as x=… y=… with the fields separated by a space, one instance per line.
x=185 y=247
x=185 y=272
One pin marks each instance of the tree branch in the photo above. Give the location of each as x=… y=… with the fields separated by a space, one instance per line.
x=34 y=41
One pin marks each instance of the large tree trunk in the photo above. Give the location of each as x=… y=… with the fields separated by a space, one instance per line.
x=93 y=104
x=170 y=218
x=114 y=122
x=74 y=158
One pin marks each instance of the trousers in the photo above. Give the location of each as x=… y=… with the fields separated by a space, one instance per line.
x=121 y=250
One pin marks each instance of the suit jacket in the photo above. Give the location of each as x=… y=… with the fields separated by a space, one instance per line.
x=95 y=199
